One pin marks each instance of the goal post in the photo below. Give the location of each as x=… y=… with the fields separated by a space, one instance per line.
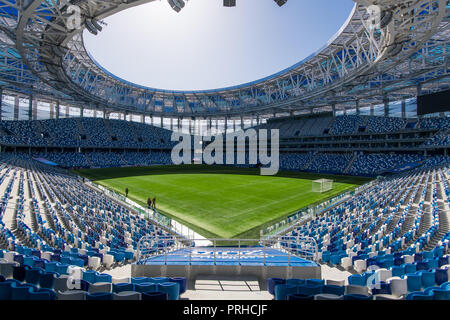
x=322 y=185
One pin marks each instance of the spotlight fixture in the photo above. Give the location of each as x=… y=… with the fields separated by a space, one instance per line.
x=280 y=2
x=229 y=3
x=386 y=18
x=176 y=5
x=97 y=25
x=90 y=27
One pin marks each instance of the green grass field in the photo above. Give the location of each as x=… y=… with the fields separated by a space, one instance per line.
x=219 y=201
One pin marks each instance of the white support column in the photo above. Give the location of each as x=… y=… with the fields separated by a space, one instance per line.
x=386 y=106
x=30 y=108
x=35 y=109
x=226 y=125
x=16 y=108
x=403 y=109
x=1 y=102
x=52 y=110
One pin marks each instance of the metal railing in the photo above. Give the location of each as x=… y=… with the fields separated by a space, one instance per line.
x=175 y=250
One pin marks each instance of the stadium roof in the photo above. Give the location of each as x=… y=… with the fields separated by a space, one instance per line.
x=361 y=64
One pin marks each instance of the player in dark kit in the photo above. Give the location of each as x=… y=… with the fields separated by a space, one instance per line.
x=149 y=203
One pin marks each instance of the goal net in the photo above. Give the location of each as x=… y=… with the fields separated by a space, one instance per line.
x=322 y=185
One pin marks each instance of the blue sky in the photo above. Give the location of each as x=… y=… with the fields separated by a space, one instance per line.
x=207 y=46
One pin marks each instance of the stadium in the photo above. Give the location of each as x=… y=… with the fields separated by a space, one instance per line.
x=96 y=206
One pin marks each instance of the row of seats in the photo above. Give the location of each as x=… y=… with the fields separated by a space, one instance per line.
x=59 y=224
x=84 y=132
x=21 y=282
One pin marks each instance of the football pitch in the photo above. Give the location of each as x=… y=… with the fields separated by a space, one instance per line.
x=220 y=202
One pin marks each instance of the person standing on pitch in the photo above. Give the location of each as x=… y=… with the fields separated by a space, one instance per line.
x=126 y=192
x=149 y=203
x=154 y=203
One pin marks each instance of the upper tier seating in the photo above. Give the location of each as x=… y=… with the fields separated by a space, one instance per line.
x=84 y=132
x=373 y=164
x=351 y=124
x=347 y=124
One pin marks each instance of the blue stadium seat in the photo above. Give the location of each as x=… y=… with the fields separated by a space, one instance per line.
x=171 y=288
x=299 y=296
x=146 y=287
x=122 y=287
x=282 y=290
x=272 y=282
x=357 y=297
x=414 y=282
x=42 y=294
x=182 y=282
x=33 y=275
x=155 y=296
x=99 y=296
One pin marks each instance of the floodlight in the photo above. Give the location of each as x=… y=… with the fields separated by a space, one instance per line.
x=90 y=27
x=229 y=3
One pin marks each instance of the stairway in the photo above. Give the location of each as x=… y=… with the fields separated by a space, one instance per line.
x=309 y=163
x=443 y=230
x=80 y=127
x=108 y=127
x=347 y=169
